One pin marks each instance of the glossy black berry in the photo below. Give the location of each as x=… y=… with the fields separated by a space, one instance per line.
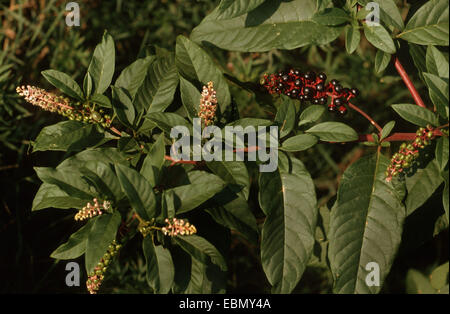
x=277 y=90
x=294 y=92
x=308 y=90
x=323 y=100
x=297 y=72
x=331 y=108
x=354 y=91
x=288 y=94
x=280 y=74
x=316 y=101
x=285 y=77
x=306 y=97
x=346 y=91
x=342 y=110
x=338 y=88
x=298 y=83
x=334 y=82
x=310 y=76
x=322 y=76
x=338 y=102
x=280 y=85
x=300 y=97
x=320 y=87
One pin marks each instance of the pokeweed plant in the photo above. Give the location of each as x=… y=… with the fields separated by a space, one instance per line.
x=123 y=182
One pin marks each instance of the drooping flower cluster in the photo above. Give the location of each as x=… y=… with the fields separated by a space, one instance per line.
x=92 y=210
x=407 y=153
x=208 y=104
x=310 y=87
x=95 y=278
x=176 y=227
x=62 y=105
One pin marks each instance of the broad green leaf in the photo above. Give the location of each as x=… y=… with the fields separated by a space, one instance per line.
x=195 y=64
x=352 y=38
x=445 y=194
x=422 y=185
x=245 y=122
x=287 y=237
x=160 y=269
x=439 y=276
x=87 y=85
x=101 y=235
x=202 y=187
x=285 y=117
x=202 y=250
x=205 y=278
x=299 y=142
x=101 y=67
x=157 y=90
x=76 y=245
x=167 y=120
x=104 y=154
x=50 y=195
x=418 y=53
x=380 y=38
x=382 y=60
x=389 y=13
x=133 y=76
x=64 y=82
x=153 y=161
x=333 y=132
x=287 y=25
x=123 y=106
x=417 y=283
x=416 y=115
x=436 y=62
x=102 y=176
x=68 y=180
x=234 y=173
x=311 y=114
x=365 y=225
x=233 y=8
x=331 y=17
x=100 y=100
x=442 y=152
x=438 y=89
x=138 y=190
x=387 y=129
x=190 y=97
x=429 y=25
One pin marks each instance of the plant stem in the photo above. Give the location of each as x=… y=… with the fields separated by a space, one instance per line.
x=365 y=115
x=417 y=99
x=192 y=162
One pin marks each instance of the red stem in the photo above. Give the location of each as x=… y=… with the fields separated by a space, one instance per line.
x=174 y=162
x=365 y=115
x=417 y=99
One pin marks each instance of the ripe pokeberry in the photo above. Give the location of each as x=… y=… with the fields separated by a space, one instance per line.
x=320 y=87
x=298 y=83
x=316 y=101
x=322 y=76
x=285 y=77
x=338 y=88
x=354 y=91
x=331 y=108
x=334 y=82
x=338 y=102
x=342 y=110
x=310 y=76
x=308 y=90
x=323 y=100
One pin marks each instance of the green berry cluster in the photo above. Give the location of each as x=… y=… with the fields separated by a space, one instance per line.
x=96 y=277
x=408 y=153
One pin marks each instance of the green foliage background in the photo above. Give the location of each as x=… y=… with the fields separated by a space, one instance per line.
x=34 y=37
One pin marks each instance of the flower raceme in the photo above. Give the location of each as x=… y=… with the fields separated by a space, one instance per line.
x=62 y=105
x=176 y=227
x=310 y=87
x=208 y=104
x=92 y=210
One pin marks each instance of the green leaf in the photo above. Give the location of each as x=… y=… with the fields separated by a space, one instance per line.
x=445 y=194
x=87 y=85
x=190 y=97
x=416 y=115
x=158 y=88
x=154 y=161
x=439 y=276
x=299 y=142
x=102 y=234
x=422 y=185
x=389 y=13
x=417 y=283
x=160 y=269
x=132 y=77
x=202 y=250
x=167 y=120
x=382 y=60
x=365 y=225
x=50 y=195
x=100 y=100
x=352 y=38
x=123 y=106
x=311 y=114
x=331 y=17
x=232 y=8
x=205 y=278
x=202 y=187
x=287 y=238
x=234 y=173
x=333 y=132
x=76 y=245
x=436 y=62
x=245 y=122
x=442 y=152
x=417 y=53
x=64 y=82
x=438 y=89
x=195 y=64
x=429 y=25
x=138 y=190
x=101 y=67
x=285 y=117
x=104 y=154
x=287 y=25
x=102 y=176
x=380 y=38
x=387 y=129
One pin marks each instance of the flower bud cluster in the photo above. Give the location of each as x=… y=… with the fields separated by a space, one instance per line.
x=61 y=105
x=176 y=227
x=311 y=87
x=208 y=104
x=407 y=153
x=96 y=277
x=92 y=210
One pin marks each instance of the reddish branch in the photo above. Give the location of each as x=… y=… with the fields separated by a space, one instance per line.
x=417 y=99
x=365 y=115
x=175 y=161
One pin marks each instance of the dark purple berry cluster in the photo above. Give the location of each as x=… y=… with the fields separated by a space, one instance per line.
x=311 y=87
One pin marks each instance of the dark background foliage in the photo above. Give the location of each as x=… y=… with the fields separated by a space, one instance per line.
x=34 y=37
